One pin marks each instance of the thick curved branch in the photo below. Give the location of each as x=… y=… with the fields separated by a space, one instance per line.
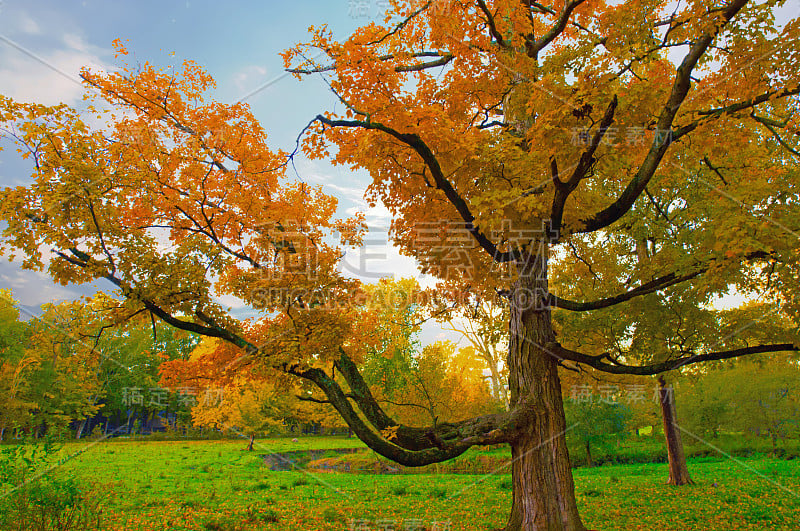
x=533 y=47
x=680 y=89
x=652 y=286
x=371 y=438
x=646 y=288
x=361 y=393
x=646 y=370
x=410 y=438
x=421 y=148
x=411 y=446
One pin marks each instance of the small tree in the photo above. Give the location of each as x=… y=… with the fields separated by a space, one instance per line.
x=484 y=327
x=760 y=398
x=16 y=368
x=595 y=421
x=246 y=407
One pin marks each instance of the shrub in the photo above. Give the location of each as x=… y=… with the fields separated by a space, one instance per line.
x=258 y=513
x=37 y=495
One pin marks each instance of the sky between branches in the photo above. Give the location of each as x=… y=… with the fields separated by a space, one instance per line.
x=44 y=43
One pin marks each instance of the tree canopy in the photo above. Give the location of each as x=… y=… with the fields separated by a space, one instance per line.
x=573 y=157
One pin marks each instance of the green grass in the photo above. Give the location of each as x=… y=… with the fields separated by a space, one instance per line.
x=216 y=485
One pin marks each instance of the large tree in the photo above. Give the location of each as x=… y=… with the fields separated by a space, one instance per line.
x=576 y=156
x=503 y=136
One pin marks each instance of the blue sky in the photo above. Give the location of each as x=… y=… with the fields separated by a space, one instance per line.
x=43 y=45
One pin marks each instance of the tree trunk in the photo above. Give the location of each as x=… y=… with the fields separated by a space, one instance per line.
x=252 y=440
x=81 y=426
x=498 y=390
x=678 y=470
x=543 y=490
x=589 y=461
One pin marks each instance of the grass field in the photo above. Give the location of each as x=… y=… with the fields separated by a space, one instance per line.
x=215 y=485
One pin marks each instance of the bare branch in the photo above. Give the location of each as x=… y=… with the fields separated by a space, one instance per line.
x=645 y=370
x=413 y=141
x=443 y=59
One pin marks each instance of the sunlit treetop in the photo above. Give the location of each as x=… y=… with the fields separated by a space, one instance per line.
x=575 y=155
x=600 y=125
x=176 y=200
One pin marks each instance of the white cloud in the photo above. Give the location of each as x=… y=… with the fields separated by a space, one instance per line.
x=75 y=42
x=27 y=25
x=352 y=193
x=232 y=302
x=249 y=77
x=34 y=288
x=46 y=76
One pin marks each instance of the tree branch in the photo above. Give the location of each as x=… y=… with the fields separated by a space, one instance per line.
x=83 y=260
x=533 y=47
x=410 y=438
x=443 y=59
x=711 y=114
x=371 y=438
x=646 y=288
x=564 y=189
x=680 y=89
x=421 y=148
x=771 y=125
x=652 y=286
x=492 y=26
x=645 y=370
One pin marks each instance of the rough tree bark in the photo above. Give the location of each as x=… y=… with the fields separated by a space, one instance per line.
x=678 y=470
x=252 y=441
x=543 y=490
